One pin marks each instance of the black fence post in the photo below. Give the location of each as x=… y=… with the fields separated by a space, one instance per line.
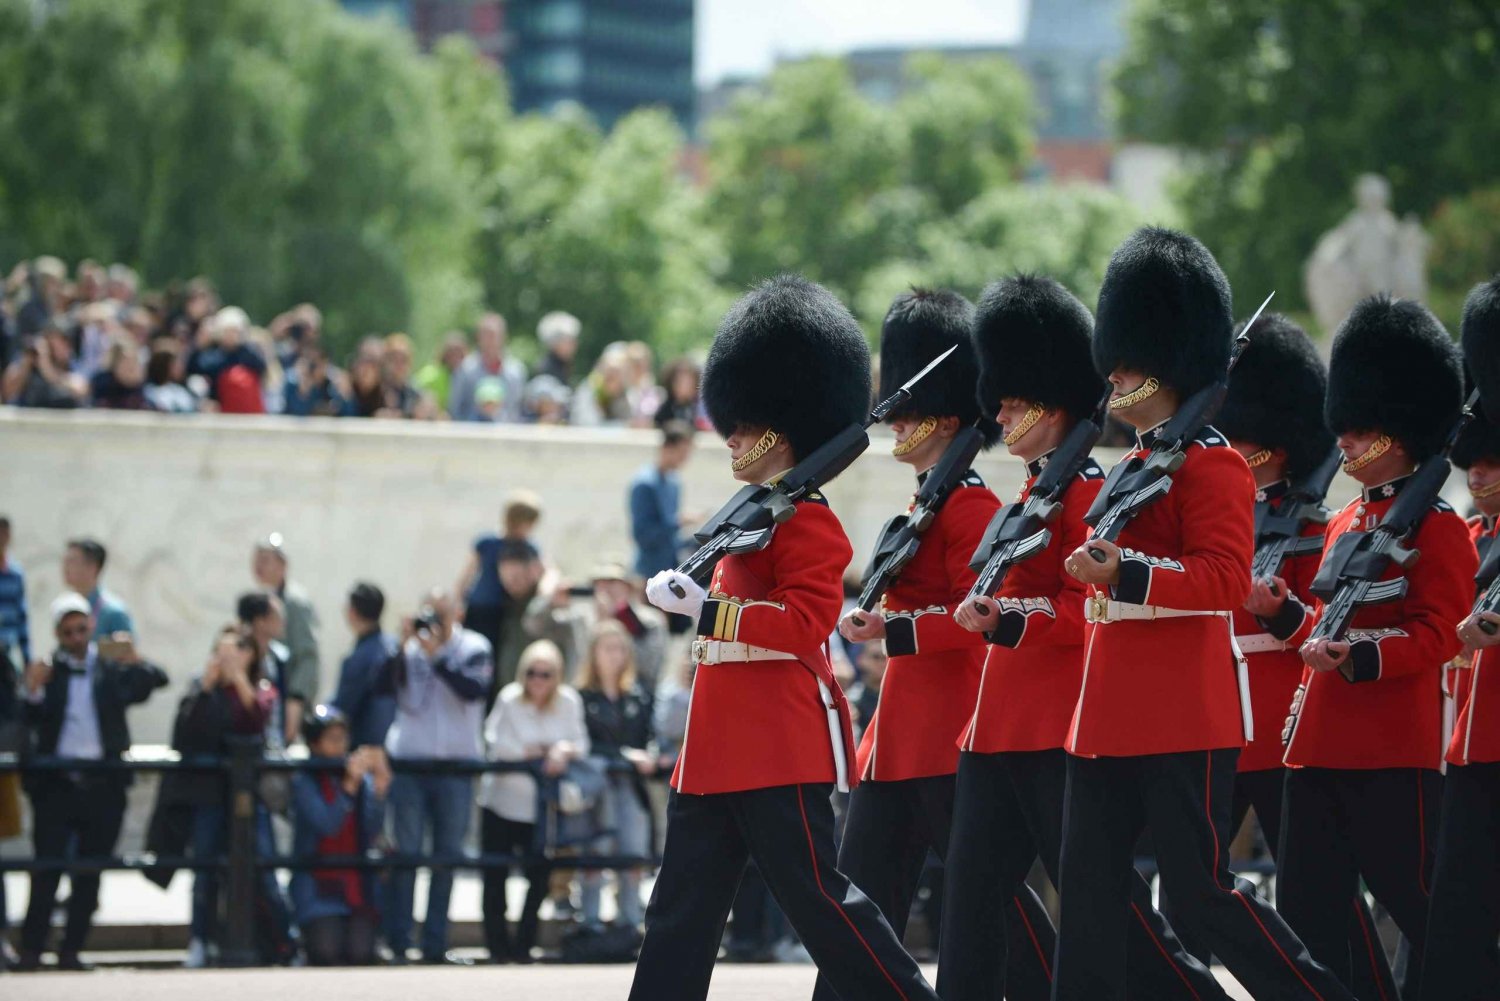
x=239 y=902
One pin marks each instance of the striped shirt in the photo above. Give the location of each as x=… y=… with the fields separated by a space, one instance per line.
x=15 y=633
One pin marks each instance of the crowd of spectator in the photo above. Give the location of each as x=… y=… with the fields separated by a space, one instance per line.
x=580 y=681
x=94 y=339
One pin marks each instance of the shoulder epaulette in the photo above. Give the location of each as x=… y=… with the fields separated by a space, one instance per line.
x=815 y=497
x=1091 y=470
x=1210 y=437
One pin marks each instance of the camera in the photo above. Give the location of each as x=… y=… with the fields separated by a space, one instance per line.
x=428 y=622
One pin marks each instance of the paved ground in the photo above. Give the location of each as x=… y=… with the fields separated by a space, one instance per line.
x=480 y=983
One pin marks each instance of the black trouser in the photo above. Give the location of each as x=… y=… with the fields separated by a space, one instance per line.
x=79 y=818
x=788 y=831
x=890 y=828
x=1009 y=812
x=341 y=939
x=1462 y=961
x=1341 y=825
x=1262 y=790
x=500 y=836
x=758 y=923
x=1184 y=799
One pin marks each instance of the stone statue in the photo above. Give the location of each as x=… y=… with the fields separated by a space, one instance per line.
x=1369 y=252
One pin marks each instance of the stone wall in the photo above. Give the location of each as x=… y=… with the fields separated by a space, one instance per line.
x=179 y=501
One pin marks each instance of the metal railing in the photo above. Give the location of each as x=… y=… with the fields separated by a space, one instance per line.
x=243 y=766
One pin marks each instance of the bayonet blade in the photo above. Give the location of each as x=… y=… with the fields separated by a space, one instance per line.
x=930 y=366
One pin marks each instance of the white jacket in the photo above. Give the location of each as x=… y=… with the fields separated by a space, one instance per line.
x=513 y=726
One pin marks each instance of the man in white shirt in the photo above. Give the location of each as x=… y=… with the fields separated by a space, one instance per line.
x=75 y=708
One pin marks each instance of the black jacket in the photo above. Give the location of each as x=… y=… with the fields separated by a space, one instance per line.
x=116 y=688
x=616 y=725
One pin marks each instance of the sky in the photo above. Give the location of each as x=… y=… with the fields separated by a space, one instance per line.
x=746 y=36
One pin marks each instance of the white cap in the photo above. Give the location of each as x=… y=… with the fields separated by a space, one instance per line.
x=68 y=603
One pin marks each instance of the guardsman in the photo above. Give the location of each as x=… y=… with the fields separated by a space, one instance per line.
x=1161 y=714
x=1463 y=925
x=903 y=807
x=1273 y=416
x=1366 y=741
x=768 y=734
x=1036 y=377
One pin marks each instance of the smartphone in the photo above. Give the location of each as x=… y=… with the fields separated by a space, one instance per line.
x=113 y=649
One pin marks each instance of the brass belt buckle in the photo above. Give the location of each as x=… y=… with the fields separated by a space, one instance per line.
x=699 y=650
x=1098 y=608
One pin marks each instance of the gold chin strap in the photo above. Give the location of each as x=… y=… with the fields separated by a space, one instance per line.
x=767 y=442
x=1260 y=458
x=918 y=435
x=1483 y=492
x=1144 y=391
x=1026 y=424
x=1377 y=448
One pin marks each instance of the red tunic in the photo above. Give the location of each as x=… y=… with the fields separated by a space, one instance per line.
x=756 y=724
x=1275 y=674
x=1171 y=684
x=933 y=672
x=1034 y=668
x=1384 y=707
x=1476 y=734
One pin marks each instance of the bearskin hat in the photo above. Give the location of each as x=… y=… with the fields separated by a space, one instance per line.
x=919 y=326
x=1480 y=334
x=1164 y=309
x=1032 y=336
x=1275 y=397
x=788 y=356
x=1395 y=369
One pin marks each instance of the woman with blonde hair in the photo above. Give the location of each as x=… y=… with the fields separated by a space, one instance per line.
x=539 y=719
x=618 y=714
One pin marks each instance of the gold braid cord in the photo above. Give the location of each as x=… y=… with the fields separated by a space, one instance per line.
x=1488 y=491
x=1377 y=448
x=1260 y=458
x=919 y=435
x=1144 y=391
x=1026 y=424
x=767 y=442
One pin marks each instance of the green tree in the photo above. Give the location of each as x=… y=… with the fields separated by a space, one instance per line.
x=282 y=147
x=1284 y=103
x=1465 y=249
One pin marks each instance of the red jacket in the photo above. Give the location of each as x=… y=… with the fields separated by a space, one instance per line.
x=1476 y=734
x=1384 y=707
x=1034 y=668
x=933 y=673
x=1172 y=684
x=755 y=724
x=1275 y=675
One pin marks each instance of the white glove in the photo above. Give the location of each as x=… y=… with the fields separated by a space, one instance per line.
x=659 y=593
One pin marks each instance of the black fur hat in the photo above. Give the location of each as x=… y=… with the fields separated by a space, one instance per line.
x=919 y=326
x=788 y=356
x=1033 y=336
x=1395 y=369
x=1164 y=309
x=1480 y=334
x=1275 y=397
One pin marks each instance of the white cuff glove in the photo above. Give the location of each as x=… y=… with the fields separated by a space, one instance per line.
x=659 y=593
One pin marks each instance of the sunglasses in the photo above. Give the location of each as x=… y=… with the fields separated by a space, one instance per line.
x=536 y=672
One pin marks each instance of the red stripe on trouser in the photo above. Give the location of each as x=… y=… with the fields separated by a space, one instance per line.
x=818 y=878
x=1277 y=945
x=1364 y=931
x=1421 y=838
x=1163 y=950
x=1041 y=954
x=1208 y=814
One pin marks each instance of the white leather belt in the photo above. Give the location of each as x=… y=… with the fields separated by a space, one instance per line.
x=1097 y=608
x=1260 y=643
x=722 y=652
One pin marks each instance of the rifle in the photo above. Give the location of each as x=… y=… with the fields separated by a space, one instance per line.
x=1278 y=528
x=1350 y=575
x=1019 y=531
x=1135 y=484
x=747 y=522
x=902 y=535
x=1488 y=595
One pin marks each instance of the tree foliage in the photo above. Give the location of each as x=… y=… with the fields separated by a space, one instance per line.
x=1286 y=102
